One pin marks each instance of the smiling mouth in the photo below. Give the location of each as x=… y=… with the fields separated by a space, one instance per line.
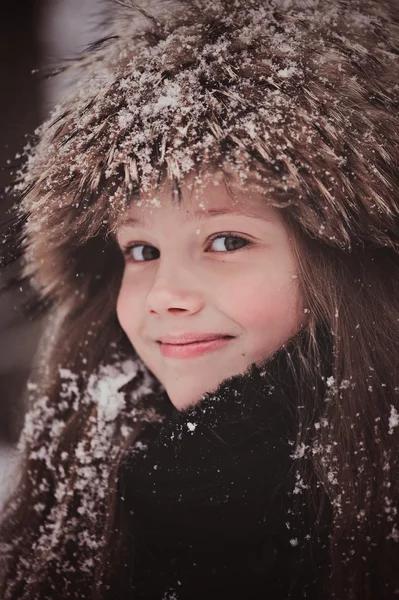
x=226 y=337
x=194 y=349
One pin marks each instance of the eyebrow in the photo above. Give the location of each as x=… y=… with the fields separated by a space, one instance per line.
x=212 y=212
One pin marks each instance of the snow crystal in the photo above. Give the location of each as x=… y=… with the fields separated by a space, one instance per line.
x=330 y=381
x=394 y=535
x=251 y=128
x=191 y=426
x=125 y=431
x=393 y=419
x=299 y=451
x=67 y=374
x=170 y=98
x=104 y=390
x=299 y=484
x=331 y=476
x=287 y=72
x=140 y=446
x=345 y=384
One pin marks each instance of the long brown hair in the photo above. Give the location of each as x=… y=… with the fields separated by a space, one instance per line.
x=300 y=102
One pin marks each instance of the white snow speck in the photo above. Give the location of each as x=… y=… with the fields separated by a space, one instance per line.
x=285 y=73
x=330 y=381
x=393 y=419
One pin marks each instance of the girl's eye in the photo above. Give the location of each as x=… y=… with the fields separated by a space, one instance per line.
x=234 y=244
x=143 y=252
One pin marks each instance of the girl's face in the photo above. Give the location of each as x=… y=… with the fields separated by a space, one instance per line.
x=189 y=270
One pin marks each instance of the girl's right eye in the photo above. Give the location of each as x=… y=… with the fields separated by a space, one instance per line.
x=132 y=256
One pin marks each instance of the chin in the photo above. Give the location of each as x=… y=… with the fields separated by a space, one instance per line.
x=182 y=403
x=183 y=400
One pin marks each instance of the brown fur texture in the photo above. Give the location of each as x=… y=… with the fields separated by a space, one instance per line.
x=317 y=112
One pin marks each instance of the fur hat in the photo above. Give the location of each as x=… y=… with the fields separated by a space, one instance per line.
x=298 y=96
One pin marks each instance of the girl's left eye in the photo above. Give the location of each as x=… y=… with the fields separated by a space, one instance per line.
x=227 y=236
x=234 y=241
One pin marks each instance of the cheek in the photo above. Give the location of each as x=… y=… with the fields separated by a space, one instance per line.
x=125 y=309
x=271 y=303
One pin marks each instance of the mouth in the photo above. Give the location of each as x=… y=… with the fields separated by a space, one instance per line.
x=194 y=348
x=199 y=341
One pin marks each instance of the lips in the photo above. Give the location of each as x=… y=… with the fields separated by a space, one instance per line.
x=191 y=338
x=194 y=348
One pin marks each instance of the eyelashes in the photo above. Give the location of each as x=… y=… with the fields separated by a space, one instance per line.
x=128 y=249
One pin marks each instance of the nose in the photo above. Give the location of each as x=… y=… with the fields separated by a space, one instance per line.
x=174 y=289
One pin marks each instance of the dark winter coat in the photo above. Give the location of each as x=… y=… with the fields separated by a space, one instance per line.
x=218 y=508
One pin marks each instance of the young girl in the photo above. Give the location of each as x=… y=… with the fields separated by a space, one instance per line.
x=210 y=221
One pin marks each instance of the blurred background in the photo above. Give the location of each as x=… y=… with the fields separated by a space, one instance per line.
x=36 y=37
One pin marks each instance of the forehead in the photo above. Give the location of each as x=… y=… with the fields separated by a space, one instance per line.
x=201 y=200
